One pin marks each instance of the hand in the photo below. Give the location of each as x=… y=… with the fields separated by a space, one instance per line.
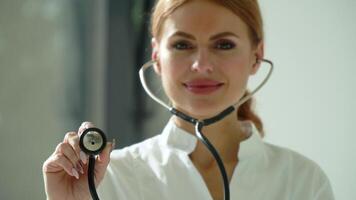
x=65 y=171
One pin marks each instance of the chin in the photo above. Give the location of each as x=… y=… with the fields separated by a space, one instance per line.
x=202 y=111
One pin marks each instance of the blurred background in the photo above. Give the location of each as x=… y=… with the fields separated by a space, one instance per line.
x=63 y=62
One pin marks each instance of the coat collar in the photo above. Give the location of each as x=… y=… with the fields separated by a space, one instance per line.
x=177 y=138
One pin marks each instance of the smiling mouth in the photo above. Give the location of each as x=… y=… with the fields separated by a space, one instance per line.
x=203 y=87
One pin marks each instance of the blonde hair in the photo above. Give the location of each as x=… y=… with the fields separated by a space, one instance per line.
x=250 y=14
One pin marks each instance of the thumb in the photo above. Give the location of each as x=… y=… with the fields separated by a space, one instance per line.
x=103 y=160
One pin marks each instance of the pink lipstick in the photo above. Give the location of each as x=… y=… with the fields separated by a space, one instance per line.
x=203 y=86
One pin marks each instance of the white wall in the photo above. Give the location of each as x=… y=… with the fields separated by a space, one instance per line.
x=309 y=103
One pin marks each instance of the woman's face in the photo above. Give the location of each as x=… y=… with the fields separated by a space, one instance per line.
x=205 y=57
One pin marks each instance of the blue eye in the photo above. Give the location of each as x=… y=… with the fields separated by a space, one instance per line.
x=182 y=45
x=225 y=45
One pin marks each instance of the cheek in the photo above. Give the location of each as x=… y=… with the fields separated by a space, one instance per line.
x=237 y=67
x=237 y=73
x=171 y=73
x=172 y=66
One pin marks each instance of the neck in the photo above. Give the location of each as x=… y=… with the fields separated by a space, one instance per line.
x=225 y=135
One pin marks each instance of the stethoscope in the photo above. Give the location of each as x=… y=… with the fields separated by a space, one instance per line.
x=93 y=140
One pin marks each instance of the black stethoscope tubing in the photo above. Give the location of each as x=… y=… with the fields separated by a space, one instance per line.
x=198 y=132
x=92 y=153
x=198 y=129
x=199 y=124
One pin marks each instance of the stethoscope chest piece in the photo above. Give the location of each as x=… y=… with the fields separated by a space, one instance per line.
x=92 y=141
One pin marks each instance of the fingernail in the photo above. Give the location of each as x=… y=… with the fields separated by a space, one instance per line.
x=75 y=173
x=87 y=125
x=80 y=168
x=83 y=157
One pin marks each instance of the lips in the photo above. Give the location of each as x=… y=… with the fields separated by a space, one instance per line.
x=202 y=86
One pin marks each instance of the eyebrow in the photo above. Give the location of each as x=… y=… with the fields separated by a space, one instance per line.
x=219 y=35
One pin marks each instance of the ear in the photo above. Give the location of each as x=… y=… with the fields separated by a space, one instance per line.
x=258 y=55
x=155 y=56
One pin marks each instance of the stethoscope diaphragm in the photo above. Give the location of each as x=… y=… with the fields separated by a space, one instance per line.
x=92 y=141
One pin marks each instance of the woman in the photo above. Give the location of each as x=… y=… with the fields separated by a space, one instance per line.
x=205 y=51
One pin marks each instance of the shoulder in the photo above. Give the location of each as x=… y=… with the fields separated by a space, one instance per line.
x=290 y=159
x=276 y=152
x=301 y=171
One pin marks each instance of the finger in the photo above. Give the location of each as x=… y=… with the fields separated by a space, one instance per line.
x=62 y=162
x=103 y=160
x=104 y=156
x=85 y=125
x=82 y=128
x=73 y=139
x=67 y=150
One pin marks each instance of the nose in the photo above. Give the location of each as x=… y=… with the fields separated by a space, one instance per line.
x=202 y=62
